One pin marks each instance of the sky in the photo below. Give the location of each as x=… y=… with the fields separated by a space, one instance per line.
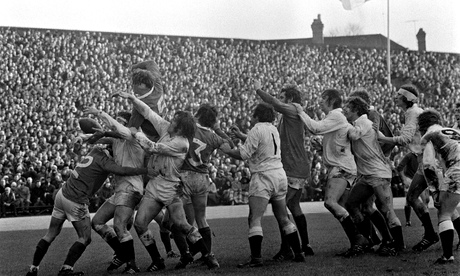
x=245 y=19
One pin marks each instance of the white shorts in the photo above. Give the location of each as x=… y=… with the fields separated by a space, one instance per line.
x=163 y=191
x=67 y=209
x=271 y=184
x=129 y=197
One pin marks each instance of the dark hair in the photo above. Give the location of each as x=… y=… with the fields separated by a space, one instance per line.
x=185 y=124
x=362 y=94
x=358 y=105
x=125 y=115
x=264 y=112
x=412 y=89
x=207 y=115
x=292 y=93
x=143 y=77
x=428 y=118
x=334 y=97
x=457 y=105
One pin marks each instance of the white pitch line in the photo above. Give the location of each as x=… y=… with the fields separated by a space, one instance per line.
x=212 y=212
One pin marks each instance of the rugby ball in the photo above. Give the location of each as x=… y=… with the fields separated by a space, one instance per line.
x=88 y=125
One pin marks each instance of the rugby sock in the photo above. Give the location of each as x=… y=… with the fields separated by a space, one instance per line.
x=350 y=229
x=426 y=221
x=285 y=248
x=407 y=212
x=380 y=223
x=164 y=235
x=456 y=223
x=398 y=237
x=364 y=227
x=301 y=223
x=201 y=247
x=108 y=234
x=195 y=237
x=294 y=242
x=447 y=240
x=40 y=251
x=126 y=252
x=152 y=249
x=114 y=243
x=191 y=248
x=180 y=240
x=255 y=243
x=206 y=234
x=74 y=254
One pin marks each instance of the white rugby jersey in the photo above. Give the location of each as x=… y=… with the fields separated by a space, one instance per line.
x=128 y=153
x=262 y=148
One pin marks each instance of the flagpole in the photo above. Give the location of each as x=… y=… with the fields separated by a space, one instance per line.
x=388 y=45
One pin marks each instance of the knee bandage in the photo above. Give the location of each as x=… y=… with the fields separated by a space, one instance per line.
x=193 y=235
x=105 y=231
x=445 y=225
x=289 y=228
x=126 y=236
x=255 y=231
x=147 y=238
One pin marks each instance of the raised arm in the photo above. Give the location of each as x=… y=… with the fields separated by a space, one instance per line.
x=172 y=148
x=284 y=108
x=123 y=132
x=157 y=121
x=328 y=124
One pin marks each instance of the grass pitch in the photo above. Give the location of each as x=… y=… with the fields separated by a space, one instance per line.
x=231 y=247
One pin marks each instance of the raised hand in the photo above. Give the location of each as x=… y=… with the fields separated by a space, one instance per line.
x=91 y=110
x=124 y=95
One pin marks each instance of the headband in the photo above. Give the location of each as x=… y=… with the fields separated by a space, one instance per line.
x=146 y=94
x=409 y=96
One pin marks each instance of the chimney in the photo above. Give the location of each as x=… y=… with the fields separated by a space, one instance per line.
x=421 y=40
x=317 y=27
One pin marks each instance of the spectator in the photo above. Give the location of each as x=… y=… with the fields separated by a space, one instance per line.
x=8 y=200
x=23 y=199
x=48 y=191
x=73 y=69
x=37 y=194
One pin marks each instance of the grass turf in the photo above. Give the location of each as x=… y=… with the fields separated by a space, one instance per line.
x=231 y=247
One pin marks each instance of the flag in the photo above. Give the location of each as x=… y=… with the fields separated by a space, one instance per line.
x=351 y=4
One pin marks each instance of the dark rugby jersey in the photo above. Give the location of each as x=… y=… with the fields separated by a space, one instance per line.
x=90 y=173
x=199 y=153
x=293 y=154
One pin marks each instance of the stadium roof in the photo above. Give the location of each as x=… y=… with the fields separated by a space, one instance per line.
x=374 y=41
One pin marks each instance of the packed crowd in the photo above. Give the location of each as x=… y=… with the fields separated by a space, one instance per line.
x=48 y=77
